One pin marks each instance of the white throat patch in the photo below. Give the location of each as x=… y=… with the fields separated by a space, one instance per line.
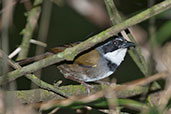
x=116 y=56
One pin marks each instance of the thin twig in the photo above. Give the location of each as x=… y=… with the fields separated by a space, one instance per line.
x=32 y=19
x=7 y=18
x=39 y=43
x=41 y=83
x=43 y=32
x=14 y=53
x=4 y=42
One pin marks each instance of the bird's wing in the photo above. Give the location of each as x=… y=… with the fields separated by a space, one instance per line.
x=89 y=59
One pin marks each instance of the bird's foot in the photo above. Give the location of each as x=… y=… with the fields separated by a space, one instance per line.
x=103 y=83
x=87 y=86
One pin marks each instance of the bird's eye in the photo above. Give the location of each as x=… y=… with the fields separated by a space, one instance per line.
x=115 y=43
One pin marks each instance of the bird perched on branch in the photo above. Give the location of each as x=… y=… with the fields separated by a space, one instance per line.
x=91 y=65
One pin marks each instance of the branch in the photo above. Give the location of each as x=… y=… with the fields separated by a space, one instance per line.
x=32 y=19
x=70 y=53
x=35 y=79
x=126 y=90
x=122 y=91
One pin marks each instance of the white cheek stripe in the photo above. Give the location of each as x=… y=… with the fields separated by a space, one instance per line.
x=117 y=56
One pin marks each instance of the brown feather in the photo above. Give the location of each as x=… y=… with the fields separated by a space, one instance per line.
x=59 y=49
x=89 y=59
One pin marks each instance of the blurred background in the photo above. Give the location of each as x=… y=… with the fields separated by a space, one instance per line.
x=66 y=21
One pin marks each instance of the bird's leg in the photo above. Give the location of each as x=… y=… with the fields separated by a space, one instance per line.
x=103 y=82
x=88 y=87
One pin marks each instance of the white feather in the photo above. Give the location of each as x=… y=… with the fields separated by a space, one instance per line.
x=88 y=79
x=116 y=56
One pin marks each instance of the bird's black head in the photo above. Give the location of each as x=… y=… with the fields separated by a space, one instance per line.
x=115 y=43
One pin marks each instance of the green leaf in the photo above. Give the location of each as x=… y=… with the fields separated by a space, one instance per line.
x=164 y=32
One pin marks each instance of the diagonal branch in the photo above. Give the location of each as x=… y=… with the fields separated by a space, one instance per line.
x=70 y=53
x=34 y=79
x=116 y=18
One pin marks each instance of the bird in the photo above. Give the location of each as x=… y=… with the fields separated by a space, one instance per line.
x=92 y=65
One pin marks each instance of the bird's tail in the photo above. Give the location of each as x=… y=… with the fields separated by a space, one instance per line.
x=33 y=59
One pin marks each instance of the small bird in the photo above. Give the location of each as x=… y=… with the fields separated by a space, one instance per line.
x=92 y=65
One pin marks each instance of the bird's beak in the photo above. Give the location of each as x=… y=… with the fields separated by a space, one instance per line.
x=128 y=44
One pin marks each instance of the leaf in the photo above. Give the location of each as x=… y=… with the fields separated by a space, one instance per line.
x=164 y=32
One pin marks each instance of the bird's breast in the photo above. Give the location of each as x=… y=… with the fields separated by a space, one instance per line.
x=116 y=56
